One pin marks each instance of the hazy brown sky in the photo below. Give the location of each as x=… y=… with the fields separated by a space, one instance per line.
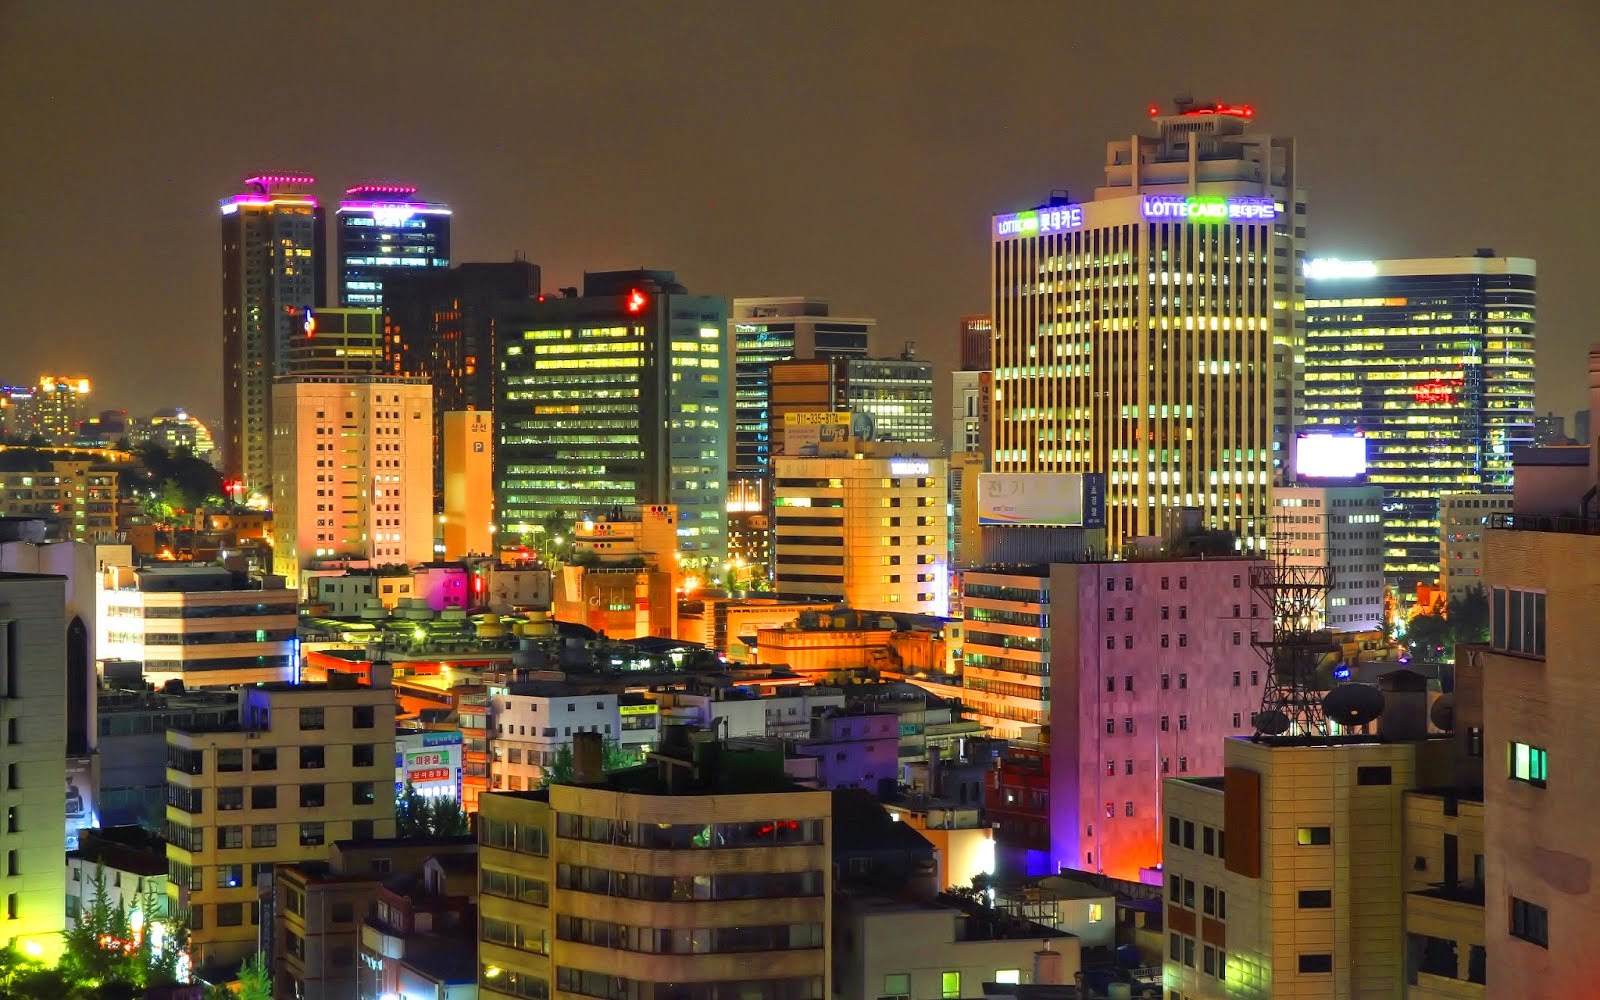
x=847 y=150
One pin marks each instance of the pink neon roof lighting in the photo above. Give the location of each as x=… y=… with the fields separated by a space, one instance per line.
x=399 y=189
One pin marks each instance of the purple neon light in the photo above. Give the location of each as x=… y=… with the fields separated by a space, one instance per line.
x=417 y=207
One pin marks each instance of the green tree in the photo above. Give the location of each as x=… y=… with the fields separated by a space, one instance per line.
x=1427 y=636
x=99 y=948
x=255 y=979
x=417 y=815
x=1469 y=616
x=613 y=758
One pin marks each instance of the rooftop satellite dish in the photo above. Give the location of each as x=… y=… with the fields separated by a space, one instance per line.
x=1271 y=723
x=1353 y=704
x=1443 y=713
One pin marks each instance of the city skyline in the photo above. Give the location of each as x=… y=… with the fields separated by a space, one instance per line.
x=988 y=131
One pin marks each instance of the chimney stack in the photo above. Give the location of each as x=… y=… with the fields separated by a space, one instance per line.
x=588 y=759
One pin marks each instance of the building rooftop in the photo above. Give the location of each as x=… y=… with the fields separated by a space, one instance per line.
x=1562 y=524
x=124 y=848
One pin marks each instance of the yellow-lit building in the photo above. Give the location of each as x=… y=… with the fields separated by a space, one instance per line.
x=622 y=576
x=81 y=498
x=337 y=342
x=59 y=405
x=305 y=766
x=1121 y=324
x=705 y=868
x=468 y=486
x=870 y=531
x=1463 y=519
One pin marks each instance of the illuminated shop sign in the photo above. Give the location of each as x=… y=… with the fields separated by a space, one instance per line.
x=1324 y=268
x=1056 y=219
x=1438 y=391
x=904 y=468
x=1209 y=209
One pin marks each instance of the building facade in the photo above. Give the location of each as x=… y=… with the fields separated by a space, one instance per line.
x=573 y=899
x=888 y=399
x=383 y=229
x=977 y=343
x=203 y=625
x=272 y=272
x=304 y=766
x=966 y=428
x=33 y=669
x=337 y=342
x=769 y=330
x=1140 y=669
x=1152 y=333
x=870 y=532
x=1463 y=519
x=59 y=405
x=345 y=451
x=468 y=484
x=1432 y=360
x=1338 y=529
x=79 y=497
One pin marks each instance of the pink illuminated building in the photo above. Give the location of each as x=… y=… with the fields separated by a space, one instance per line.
x=855 y=750
x=1132 y=672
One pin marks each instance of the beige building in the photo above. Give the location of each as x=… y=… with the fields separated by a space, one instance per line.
x=206 y=626
x=306 y=765
x=337 y=342
x=1463 y=519
x=705 y=868
x=869 y=531
x=622 y=575
x=1289 y=876
x=346 y=451
x=1338 y=529
x=79 y=497
x=468 y=486
x=1087 y=332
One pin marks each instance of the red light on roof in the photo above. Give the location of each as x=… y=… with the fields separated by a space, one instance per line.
x=270 y=179
x=1154 y=110
x=1233 y=110
x=635 y=301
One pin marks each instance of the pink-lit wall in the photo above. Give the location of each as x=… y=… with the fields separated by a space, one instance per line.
x=1172 y=629
x=442 y=586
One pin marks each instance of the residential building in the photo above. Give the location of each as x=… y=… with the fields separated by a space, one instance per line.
x=272 y=272
x=342 y=447
x=868 y=531
x=888 y=399
x=420 y=937
x=769 y=330
x=60 y=404
x=855 y=750
x=1016 y=798
x=966 y=428
x=442 y=325
x=128 y=862
x=623 y=576
x=617 y=397
x=530 y=722
x=319 y=915
x=350 y=593
x=132 y=746
x=1120 y=321
x=78 y=496
x=1432 y=360
x=206 y=626
x=750 y=531
x=33 y=671
x=1293 y=873
x=304 y=766
x=337 y=342
x=468 y=484
x=1463 y=520
x=600 y=843
x=966 y=538
x=384 y=229
x=175 y=428
x=1139 y=668
x=1339 y=531
x=738 y=712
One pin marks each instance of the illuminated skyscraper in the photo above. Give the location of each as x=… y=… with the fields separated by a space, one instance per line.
x=272 y=248
x=1151 y=333
x=977 y=343
x=383 y=231
x=888 y=399
x=617 y=397
x=60 y=404
x=771 y=330
x=1432 y=359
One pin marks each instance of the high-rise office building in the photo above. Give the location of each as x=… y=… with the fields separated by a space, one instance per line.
x=966 y=427
x=888 y=399
x=617 y=397
x=779 y=329
x=468 y=487
x=385 y=230
x=59 y=405
x=344 y=451
x=1463 y=518
x=33 y=671
x=337 y=342
x=272 y=272
x=1432 y=360
x=702 y=875
x=869 y=531
x=441 y=325
x=1338 y=529
x=1151 y=333
x=977 y=343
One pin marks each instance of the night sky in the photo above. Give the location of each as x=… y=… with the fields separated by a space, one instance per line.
x=849 y=151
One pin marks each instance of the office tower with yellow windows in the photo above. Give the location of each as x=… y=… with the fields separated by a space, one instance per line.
x=1432 y=360
x=618 y=397
x=272 y=250
x=1152 y=333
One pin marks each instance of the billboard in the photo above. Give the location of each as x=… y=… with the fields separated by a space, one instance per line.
x=1057 y=500
x=430 y=762
x=1330 y=456
x=81 y=787
x=814 y=434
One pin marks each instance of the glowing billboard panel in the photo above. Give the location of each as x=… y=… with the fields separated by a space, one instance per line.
x=1330 y=456
x=1058 y=500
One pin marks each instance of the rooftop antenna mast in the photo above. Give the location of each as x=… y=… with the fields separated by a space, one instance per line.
x=1297 y=596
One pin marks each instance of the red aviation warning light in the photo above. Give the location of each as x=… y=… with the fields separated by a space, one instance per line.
x=636 y=301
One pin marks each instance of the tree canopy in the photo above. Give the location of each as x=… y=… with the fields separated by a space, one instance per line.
x=423 y=816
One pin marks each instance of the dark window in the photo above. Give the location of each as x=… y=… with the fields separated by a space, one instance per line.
x=313 y=796
x=264 y=760
x=230 y=760
x=1308 y=836
x=1316 y=899
x=311 y=718
x=361 y=794
x=1373 y=776
x=311 y=757
x=1316 y=963
x=264 y=797
x=362 y=717
x=1188 y=835
x=1174 y=826
x=1208 y=840
x=361 y=755
x=1530 y=922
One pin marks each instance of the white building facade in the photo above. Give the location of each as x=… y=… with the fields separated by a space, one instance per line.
x=1339 y=528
